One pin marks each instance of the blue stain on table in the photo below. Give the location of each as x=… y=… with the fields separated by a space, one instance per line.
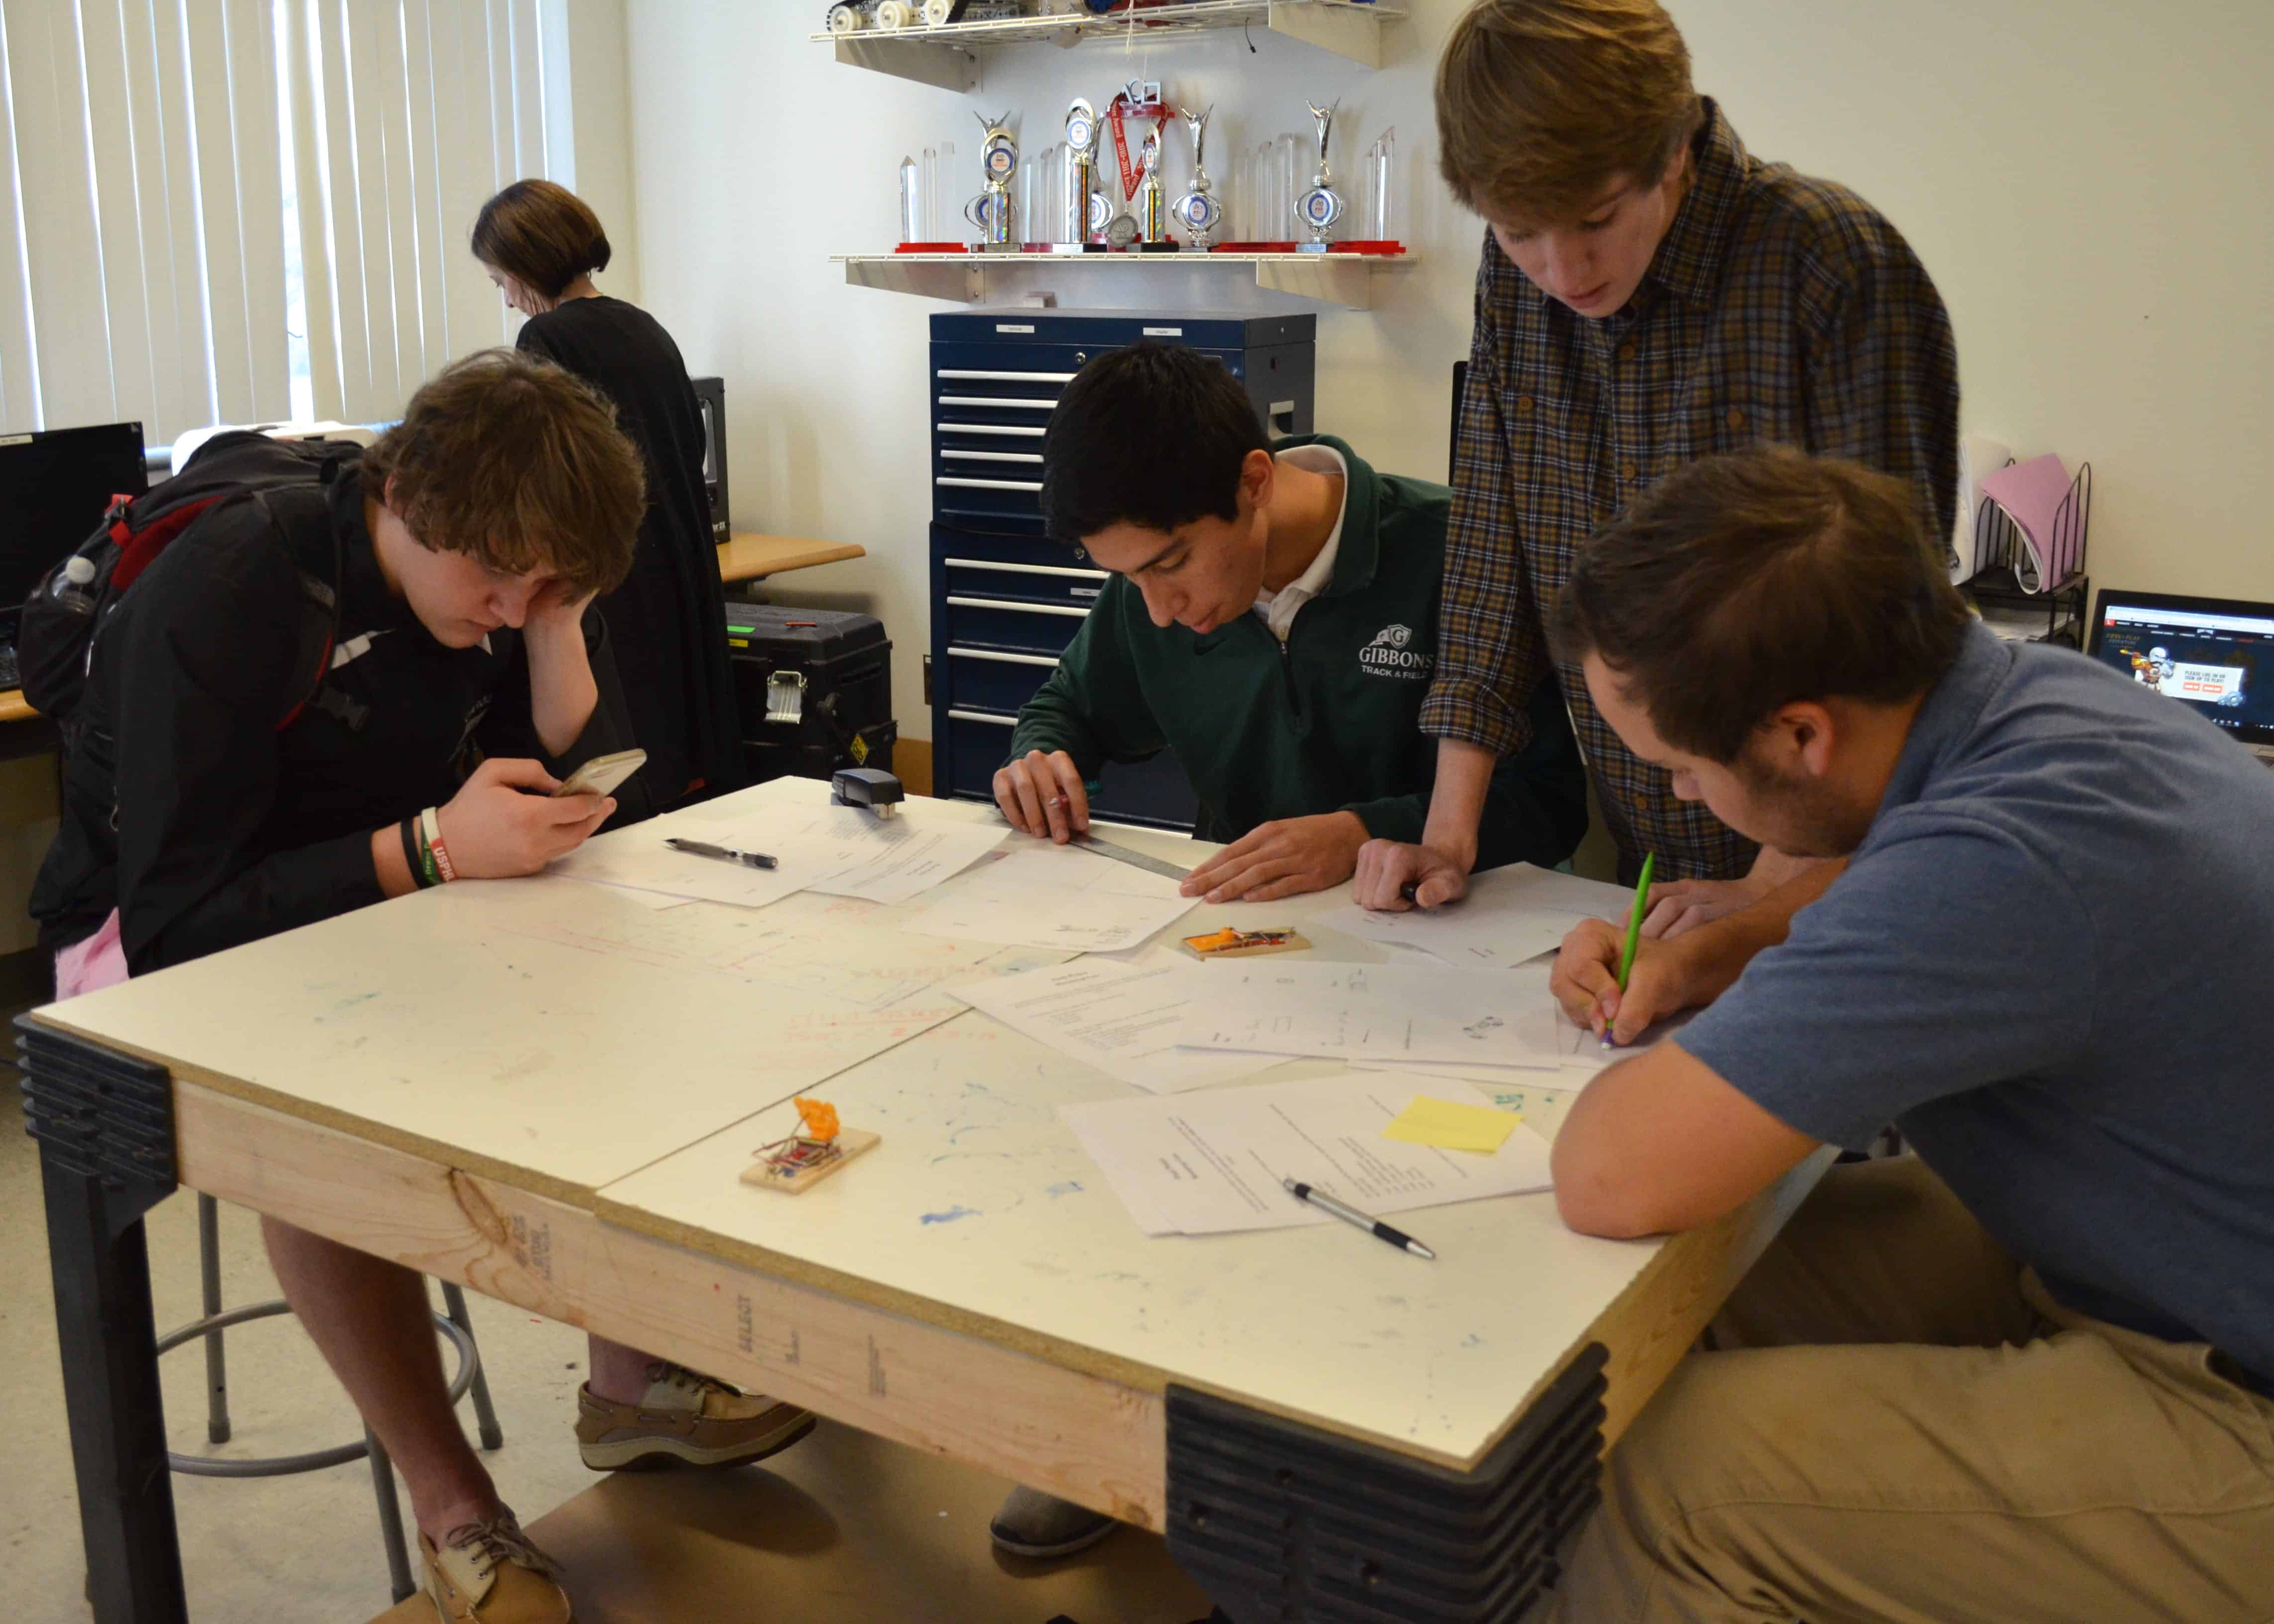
x=948 y=1217
x=1067 y=1189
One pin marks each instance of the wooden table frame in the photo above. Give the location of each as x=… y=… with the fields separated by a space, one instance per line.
x=118 y=1132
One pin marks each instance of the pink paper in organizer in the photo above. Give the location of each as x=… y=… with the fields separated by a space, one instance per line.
x=2031 y=493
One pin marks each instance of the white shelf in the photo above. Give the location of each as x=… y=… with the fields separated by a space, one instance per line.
x=1346 y=279
x=948 y=55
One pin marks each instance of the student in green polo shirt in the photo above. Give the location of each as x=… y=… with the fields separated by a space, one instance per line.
x=1273 y=620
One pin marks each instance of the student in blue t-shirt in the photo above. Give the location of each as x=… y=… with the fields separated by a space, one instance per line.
x=2027 y=1372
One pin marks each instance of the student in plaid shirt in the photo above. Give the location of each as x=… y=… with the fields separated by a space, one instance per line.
x=1650 y=294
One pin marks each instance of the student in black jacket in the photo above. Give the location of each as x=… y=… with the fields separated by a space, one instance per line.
x=465 y=548
x=540 y=244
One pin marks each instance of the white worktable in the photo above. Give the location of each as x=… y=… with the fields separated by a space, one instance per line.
x=548 y=1092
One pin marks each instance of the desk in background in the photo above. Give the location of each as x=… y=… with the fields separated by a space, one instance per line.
x=747 y=557
x=456 y=1081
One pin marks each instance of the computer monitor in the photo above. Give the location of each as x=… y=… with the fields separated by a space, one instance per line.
x=55 y=487
x=2214 y=654
x=710 y=396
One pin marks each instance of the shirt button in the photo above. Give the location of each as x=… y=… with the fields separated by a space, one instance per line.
x=1736 y=418
x=1626 y=351
x=1524 y=405
x=1627 y=470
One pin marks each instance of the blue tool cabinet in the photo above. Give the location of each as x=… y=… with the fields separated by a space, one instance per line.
x=1005 y=600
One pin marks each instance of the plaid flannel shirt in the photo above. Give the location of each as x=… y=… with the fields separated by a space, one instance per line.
x=1777 y=308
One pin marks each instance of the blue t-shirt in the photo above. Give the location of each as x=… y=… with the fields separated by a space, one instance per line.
x=2048 y=964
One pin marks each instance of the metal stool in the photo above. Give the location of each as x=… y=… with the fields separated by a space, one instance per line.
x=454 y=1325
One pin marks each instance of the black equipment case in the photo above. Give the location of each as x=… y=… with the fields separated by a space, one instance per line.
x=813 y=688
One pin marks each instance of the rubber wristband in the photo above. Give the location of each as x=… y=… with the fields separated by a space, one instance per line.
x=430 y=823
x=426 y=858
x=408 y=830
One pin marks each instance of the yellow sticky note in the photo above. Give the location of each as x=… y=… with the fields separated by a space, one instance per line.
x=1451 y=1127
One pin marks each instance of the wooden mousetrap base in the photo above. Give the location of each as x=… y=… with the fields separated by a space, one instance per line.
x=850 y=1142
x=1292 y=941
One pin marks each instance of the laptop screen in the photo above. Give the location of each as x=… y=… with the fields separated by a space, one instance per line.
x=2214 y=654
x=54 y=490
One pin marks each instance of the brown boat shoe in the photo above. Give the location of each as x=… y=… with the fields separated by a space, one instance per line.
x=488 y=1573
x=684 y=1419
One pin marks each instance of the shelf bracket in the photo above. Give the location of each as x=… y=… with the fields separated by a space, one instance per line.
x=1347 y=283
x=1346 y=31
x=964 y=285
x=927 y=63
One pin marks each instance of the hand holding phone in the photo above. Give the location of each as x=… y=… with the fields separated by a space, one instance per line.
x=602 y=773
x=494 y=828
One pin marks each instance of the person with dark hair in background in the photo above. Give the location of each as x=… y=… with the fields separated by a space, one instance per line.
x=668 y=623
x=1273 y=621
x=2028 y=1371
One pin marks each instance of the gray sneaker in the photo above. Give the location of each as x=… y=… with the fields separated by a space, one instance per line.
x=1036 y=1524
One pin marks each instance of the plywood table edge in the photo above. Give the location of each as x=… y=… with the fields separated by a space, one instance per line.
x=1645 y=1335
x=1074 y=1435
x=15 y=707
x=348 y=1122
x=1078 y=1357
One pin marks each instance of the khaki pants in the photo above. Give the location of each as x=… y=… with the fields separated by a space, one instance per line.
x=1898 y=1424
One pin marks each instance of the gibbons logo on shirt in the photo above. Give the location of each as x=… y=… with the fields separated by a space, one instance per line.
x=1389 y=655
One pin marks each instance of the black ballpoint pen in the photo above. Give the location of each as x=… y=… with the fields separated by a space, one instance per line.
x=1374 y=1227
x=724 y=854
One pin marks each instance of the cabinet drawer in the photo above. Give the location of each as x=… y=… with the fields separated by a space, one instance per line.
x=981 y=549
x=977 y=743
x=1067 y=586
x=1153 y=792
x=994 y=622
x=994 y=679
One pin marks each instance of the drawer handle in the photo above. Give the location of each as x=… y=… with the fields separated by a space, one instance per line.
x=1000 y=658
x=1008 y=568
x=1001 y=400
x=989 y=717
x=1004 y=377
x=1019 y=429
x=995 y=457
x=1063 y=610
x=990 y=485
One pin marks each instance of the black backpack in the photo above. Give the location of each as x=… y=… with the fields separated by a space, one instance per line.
x=288 y=480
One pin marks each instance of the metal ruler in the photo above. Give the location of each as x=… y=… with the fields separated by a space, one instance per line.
x=1135 y=859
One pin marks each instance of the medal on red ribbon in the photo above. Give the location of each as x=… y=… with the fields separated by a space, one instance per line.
x=1140 y=100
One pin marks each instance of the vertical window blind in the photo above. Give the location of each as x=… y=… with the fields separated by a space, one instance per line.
x=246 y=210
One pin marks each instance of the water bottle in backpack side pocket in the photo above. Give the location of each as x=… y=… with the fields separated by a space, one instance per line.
x=73 y=587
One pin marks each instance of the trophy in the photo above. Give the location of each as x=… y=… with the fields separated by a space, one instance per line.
x=1086 y=208
x=1140 y=98
x=1197 y=211
x=991 y=210
x=1320 y=206
x=1152 y=203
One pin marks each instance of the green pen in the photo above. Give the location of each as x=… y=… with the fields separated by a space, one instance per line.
x=1634 y=930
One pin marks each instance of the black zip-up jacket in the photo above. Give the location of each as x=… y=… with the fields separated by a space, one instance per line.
x=212 y=826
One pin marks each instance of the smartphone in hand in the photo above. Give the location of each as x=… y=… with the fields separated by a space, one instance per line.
x=602 y=773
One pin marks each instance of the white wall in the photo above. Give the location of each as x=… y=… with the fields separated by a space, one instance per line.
x=600 y=96
x=2084 y=178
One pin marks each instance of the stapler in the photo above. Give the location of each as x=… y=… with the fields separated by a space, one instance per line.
x=869 y=788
